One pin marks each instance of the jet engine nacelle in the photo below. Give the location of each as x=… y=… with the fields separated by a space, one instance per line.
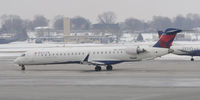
x=135 y=50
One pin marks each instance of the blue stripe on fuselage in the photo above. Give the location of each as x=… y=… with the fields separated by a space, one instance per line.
x=105 y=62
x=192 y=53
x=195 y=53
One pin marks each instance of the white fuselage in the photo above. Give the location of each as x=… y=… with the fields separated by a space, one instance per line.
x=97 y=55
x=190 y=50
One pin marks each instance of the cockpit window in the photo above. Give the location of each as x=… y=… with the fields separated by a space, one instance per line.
x=23 y=55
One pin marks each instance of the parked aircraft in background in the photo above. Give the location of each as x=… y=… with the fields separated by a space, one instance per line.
x=188 y=50
x=98 y=56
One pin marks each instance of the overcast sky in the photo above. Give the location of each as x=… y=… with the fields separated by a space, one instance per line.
x=141 y=9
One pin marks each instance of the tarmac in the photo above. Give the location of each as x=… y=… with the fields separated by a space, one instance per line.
x=145 y=80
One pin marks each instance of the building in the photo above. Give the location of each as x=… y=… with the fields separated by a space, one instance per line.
x=81 y=37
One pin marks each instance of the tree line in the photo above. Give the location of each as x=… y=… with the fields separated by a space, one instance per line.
x=107 y=22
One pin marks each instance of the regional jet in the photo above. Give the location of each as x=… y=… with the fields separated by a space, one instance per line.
x=187 y=50
x=98 y=56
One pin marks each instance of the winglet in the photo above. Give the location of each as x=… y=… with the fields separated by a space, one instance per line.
x=86 y=58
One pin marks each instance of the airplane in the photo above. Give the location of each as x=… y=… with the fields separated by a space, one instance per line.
x=98 y=56
x=187 y=50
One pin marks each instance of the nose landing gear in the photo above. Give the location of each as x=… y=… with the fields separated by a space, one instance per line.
x=98 y=68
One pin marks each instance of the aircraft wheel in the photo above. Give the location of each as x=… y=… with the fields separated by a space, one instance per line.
x=98 y=68
x=192 y=59
x=23 y=67
x=109 y=68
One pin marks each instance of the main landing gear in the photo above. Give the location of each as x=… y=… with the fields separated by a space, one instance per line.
x=98 y=68
x=22 y=67
x=108 y=68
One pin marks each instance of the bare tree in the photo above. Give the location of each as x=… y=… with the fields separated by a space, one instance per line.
x=58 y=22
x=80 y=23
x=28 y=25
x=107 y=18
x=13 y=24
x=161 y=23
x=40 y=21
x=193 y=21
x=133 y=25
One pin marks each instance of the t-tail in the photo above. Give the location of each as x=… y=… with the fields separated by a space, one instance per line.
x=166 y=38
x=160 y=33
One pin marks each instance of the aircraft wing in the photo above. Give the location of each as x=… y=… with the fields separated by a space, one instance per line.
x=92 y=63
x=86 y=61
x=95 y=63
